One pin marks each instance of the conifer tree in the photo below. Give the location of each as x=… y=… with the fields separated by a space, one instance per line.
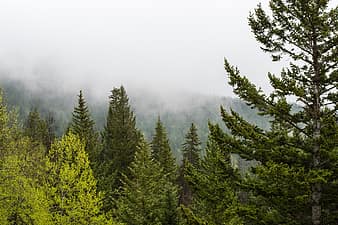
x=191 y=156
x=120 y=140
x=83 y=126
x=144 y=193
x=36 y=128
x=191 y=147
x=162 y=153
x=214 y=185
x=72 y=186
x=295 y=182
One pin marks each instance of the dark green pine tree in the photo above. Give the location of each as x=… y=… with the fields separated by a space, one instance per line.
x=161 y=153
x=83 y=126
x=51 y=130
x=295 y=182
x=120 y=141
x=143 y=197
x=36 y=128
x=192 y=146
x=191 y=157
x=215 y=184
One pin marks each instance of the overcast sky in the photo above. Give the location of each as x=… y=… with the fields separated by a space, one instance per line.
x=165 y=45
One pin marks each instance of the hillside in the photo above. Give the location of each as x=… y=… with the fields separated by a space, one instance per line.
x=176 y=111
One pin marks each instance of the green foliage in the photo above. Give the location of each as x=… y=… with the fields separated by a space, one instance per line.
x=214 y=186
x=162 y=153
x=191 y=147
x=189 y=218
x=120 y=140
x=144 y=196
x=22 y=191
x=72 y=186
x=37 y=129
x=83 y=126
x=297 y=157
x=191 y=156
x=23 y=200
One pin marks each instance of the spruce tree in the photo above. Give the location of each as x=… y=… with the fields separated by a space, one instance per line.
x=215 y=185
x=192 y=146
x=162 y=153
x=39 y=130
x=120 y=140
x=143 y=198
x=83 y=126
x=191 y=156
x=295 y=182
x=36 y=128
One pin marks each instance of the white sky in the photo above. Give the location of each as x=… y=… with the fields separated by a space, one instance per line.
x=162 y=45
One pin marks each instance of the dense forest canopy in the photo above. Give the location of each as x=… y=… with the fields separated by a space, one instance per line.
x=177 y=117
x=268 y=158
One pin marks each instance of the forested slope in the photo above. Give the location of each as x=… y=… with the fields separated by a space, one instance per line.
x=176 y=112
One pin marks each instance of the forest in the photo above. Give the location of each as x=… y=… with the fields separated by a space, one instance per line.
x=265 y=158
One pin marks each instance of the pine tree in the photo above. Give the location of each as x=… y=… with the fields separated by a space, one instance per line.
x=295 y=182
x=162 y=153
x=36 y=128
x=191 y=156
x=144 y=192
x=191 y=147
x=83 y=126
x=72 y=186
x=120 y=140
x=214 y=185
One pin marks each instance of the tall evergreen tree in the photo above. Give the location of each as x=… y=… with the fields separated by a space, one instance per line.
x=215 y=185
x=192 y=146
x=120 y=140
x=295 y=182
x=191 y=156
x=162 y=153
x=143 y=197
x=51 y=130
x=36 y=128
x=72 y=186
x=83 y=126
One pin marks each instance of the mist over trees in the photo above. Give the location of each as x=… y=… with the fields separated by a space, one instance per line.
x=265 y=159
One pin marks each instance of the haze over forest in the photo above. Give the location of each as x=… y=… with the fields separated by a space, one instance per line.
x=182 y=112
x=161 y=46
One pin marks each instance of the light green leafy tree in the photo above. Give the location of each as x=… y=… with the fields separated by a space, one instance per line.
x=72 y=186
x=23 y=197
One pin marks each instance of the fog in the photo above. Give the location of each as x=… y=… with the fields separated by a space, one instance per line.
x=164 y=46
